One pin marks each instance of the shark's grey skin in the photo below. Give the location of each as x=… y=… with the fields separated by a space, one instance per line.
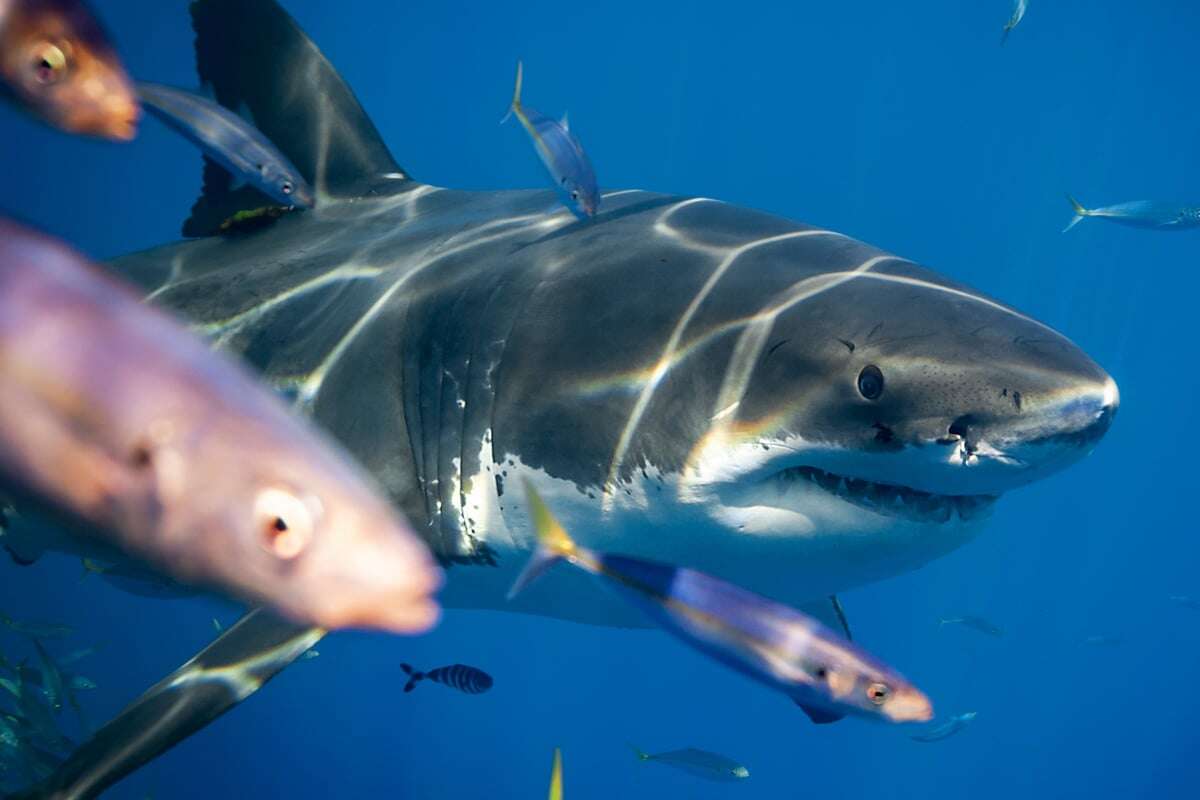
x=679 y=378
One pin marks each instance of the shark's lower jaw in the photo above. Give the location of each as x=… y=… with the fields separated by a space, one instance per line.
x=889 y=499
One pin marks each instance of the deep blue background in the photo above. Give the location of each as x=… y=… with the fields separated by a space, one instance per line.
x=904 y=124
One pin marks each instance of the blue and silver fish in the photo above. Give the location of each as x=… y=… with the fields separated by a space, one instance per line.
x=1015 y=20
x=230 y=141
x=457 y=676
x=827 y=676
x=562 y=154
x=946 y=729
x=701 y=763
x=1140 y=214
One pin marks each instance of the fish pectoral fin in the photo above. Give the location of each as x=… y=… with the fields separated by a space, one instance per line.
x=829 y=612
x=819 y=716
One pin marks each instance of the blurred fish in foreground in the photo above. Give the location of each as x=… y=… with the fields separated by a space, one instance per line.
x=57 y=63
x=1018 y=14
x=1147 y=214
x=114 y=416
x=230 y=141
x=457 y=676
x=823 y=673
x=561 y=152
x=974 y=623
x=701 y=763
x=947 y=729
x=556 y=781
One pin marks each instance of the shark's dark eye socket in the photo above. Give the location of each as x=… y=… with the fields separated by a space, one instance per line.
x=870 y=382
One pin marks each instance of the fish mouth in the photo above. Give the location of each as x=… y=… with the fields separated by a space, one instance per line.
x=888 y=499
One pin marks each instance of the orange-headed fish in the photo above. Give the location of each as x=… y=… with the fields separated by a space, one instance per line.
x=57 y=63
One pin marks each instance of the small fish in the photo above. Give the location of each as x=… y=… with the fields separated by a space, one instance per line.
x=309 y=655
x=217 y=626
x=701 y=763
x=120 y=421
x=826 y=675
x=77 y=656
x=10 y=686
x=40 y=719
x=1184 y=601
x=946 y=729
x=456 y=676
x=57 y=63
x=1102 y=641
x=52 y=680
x=1146 y=214
x=974 y=623
x=230 y=141
x=556 y=783
x=80 y=682
x=1015 y=20
x=133 y=578
x=38 y=630
x=562 y=154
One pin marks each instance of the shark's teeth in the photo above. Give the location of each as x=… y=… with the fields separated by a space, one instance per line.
x=886 y=498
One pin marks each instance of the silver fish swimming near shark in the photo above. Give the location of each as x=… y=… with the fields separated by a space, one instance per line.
x=700 y=763
x=1148 y=214
x=561 y=153
x=58 y=64
x=230 y=141
x=826 y=675
x=120 y=421
x=975 y=623
x=1018 y=14
x=39 y=630
x=946 y=729
x=718 y=421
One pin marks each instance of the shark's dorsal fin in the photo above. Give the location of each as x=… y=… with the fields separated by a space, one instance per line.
x=255 y=60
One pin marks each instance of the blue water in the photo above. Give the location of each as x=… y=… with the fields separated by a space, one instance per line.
x=903 y=124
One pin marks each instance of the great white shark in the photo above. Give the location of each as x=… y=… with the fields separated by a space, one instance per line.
x=681 y=379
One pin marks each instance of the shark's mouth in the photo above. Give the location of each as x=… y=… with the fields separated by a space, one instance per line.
x=890 y=499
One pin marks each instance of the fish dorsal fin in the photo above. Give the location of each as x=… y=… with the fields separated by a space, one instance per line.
x=254 y=59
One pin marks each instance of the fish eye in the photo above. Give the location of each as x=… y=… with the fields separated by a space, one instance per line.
x=287 y=187
x=574 y=194
x=49 y=63
x=870 y=382
x=284 y=522
x=878 y=693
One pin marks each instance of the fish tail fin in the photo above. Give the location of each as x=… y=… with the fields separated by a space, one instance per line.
x=515 y=107
x=637 y=751
x=415 y=677
x=1080 y=213
x=553 y=542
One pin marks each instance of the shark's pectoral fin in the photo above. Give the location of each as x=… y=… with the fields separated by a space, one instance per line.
x=258 y=62
x=829 y=612
x=222 y=675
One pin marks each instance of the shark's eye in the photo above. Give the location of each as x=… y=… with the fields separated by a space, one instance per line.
x=284 y=522
x=878 y=693
x=287 y=187
x=49 y=63
x=870 y=382
x=574 y=194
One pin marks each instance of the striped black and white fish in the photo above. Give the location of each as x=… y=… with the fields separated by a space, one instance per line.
x=456 y=676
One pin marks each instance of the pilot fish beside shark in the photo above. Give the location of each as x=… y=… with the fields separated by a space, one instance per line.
x=769 y=402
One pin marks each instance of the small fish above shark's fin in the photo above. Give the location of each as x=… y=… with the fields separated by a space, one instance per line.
x=293 y=95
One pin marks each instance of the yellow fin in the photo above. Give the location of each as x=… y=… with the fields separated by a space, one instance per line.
x=556 y=789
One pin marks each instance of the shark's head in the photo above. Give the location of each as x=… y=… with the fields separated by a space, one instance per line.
x=898 y=404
